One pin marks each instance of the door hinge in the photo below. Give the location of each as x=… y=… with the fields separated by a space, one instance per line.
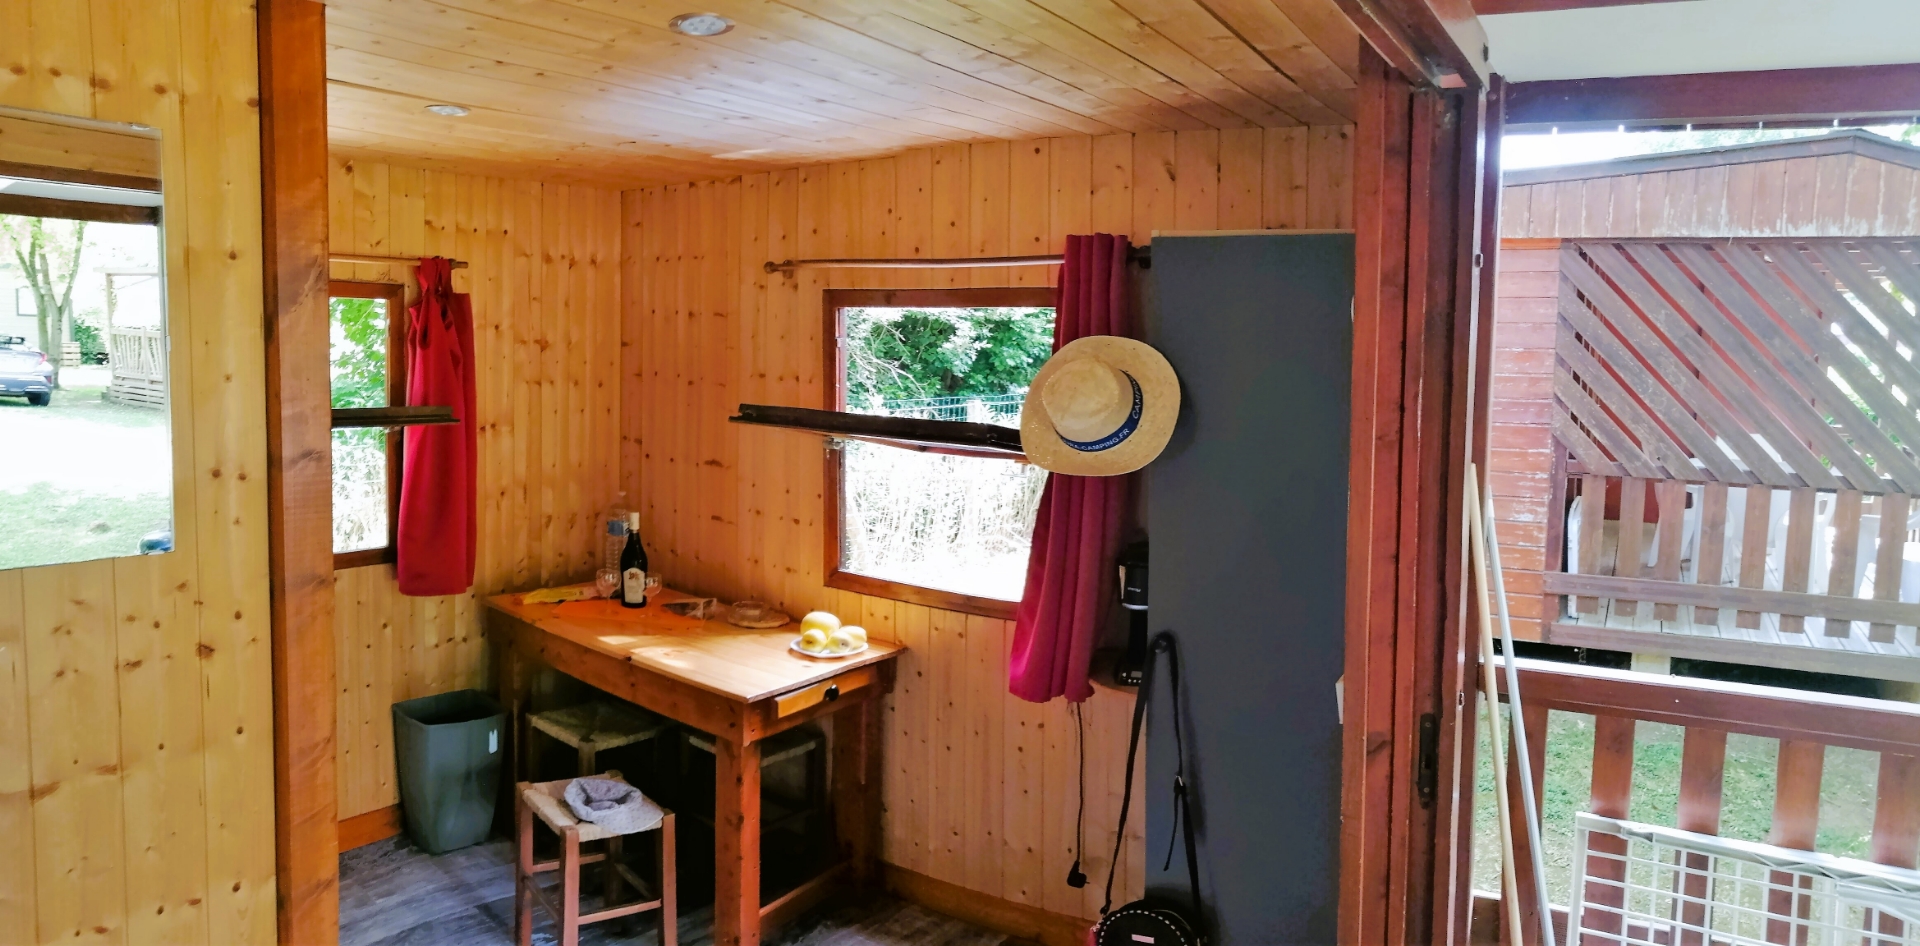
x=1427 y=771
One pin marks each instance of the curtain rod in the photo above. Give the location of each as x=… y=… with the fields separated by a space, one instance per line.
x=1141 y=255
x=379 y=260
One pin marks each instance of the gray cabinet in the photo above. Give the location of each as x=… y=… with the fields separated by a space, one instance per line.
x=1247 y=515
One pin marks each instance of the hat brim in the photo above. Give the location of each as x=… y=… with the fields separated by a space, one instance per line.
x=1160 y=407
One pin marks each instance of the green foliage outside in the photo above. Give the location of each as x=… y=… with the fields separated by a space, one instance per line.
x=88 y=337
x=359 y=356
x=900 y=354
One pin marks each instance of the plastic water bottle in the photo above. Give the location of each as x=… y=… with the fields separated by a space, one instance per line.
x=615 y=539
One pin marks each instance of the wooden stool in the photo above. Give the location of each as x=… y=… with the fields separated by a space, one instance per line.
x=547 y=800
x=593 y=728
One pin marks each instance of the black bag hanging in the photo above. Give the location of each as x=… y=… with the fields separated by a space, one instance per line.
x=1155 y=920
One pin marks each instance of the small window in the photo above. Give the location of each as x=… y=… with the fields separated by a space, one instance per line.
x=936 y=527
x=367 y=369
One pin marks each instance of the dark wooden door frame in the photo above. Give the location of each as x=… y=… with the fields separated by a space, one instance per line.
x=1851 y=94
x=293 y=151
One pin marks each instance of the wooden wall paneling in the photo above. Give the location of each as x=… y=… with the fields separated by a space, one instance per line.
x=137 y=68
x=229 y=449
x=1329 y=182
x=1196 y=181
x=1242 y=151
x=19 y=898
x=1154 y=199
x=982 y=789
x=72 y=701
x=393 y=647
x=1283 y=178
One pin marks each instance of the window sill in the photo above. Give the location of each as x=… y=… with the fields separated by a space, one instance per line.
x=927 y=597
x=345 y=560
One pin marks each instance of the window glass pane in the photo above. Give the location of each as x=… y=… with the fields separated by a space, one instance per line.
x=359 y=377
x=359 y=368
x=961 y=524
x=359 y=489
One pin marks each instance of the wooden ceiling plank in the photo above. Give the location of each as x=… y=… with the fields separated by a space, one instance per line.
x=825 y=70
x=656 y=121
x=1138 y=88
x=824 y=37
x=1194 y=28
x=1114 y=25
x=1329 y=29
x=938 y=47
x=1029 y=19
x=684 y=99
x=1277 y=38
x=563 y=55
x=524 y=137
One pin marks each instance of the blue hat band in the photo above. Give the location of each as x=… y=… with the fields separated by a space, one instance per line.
x=1118 y=436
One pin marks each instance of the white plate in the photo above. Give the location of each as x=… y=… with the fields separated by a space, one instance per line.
x=796 y=648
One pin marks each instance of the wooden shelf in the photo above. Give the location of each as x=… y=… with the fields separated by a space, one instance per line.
x=391 y=416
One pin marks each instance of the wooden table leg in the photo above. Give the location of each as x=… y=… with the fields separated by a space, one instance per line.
x=857 y=741
x=736 y=844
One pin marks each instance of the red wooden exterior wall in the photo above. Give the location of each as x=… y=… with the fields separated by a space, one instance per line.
x=1520 y=461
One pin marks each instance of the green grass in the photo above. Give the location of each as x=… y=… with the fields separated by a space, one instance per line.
x=1846 y=794
x=50 y=525
x=90 y=404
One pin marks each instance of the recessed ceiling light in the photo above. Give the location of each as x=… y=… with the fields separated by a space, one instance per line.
x=452 y=111
x=700 y=24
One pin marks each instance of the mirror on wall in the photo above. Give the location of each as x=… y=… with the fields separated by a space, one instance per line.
x=84 y=391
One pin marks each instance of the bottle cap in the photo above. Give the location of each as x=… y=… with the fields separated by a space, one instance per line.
x=633 y=521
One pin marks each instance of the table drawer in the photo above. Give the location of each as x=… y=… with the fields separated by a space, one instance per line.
x=825 y=691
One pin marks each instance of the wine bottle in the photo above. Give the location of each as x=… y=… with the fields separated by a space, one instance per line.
x=633 y=566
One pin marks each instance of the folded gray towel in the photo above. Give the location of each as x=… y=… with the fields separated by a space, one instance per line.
x=612 y=804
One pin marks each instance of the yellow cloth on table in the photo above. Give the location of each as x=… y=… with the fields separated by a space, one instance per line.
x=607 y=609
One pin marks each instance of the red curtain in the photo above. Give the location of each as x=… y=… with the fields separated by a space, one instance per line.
x=435 y=548
x=1071 y=572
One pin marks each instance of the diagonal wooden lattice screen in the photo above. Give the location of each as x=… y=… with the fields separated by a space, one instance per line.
x=1778 y=363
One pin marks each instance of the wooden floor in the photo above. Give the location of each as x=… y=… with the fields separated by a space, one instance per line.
x=394 y=894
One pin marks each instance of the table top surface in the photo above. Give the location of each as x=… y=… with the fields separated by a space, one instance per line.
x=739 y=663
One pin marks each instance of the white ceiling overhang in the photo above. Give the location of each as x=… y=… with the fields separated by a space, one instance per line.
x=1703 y=36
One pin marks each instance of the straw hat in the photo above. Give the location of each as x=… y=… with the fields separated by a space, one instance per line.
x=1101 y=406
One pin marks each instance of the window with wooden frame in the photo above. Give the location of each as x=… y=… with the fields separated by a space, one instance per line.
x=367 y=368
x=942 y=527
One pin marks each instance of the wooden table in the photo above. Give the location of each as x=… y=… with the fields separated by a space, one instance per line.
x=741 y=686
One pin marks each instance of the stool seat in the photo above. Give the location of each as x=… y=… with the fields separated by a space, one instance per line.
x=549 y=803
x=599 y=725
x=546 y=801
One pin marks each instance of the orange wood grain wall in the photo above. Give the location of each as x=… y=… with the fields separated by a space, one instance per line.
x=1519 y=468
x=136 y=710
x=544 y=278
x=981 y=787
x=1830 y=195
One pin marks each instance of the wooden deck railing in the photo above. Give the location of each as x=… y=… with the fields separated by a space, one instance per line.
x=1738 y=566
x=1804 y=723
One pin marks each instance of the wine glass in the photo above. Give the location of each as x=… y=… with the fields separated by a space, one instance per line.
x=607 y=582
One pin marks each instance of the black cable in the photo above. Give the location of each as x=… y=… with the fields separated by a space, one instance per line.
x=1075 y=878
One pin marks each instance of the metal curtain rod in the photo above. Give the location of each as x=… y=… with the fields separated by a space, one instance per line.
x=1141 y=255
x=378 y=260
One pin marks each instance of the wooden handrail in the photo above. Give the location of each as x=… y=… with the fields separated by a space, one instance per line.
x=1832 y=606
x=1774 y=712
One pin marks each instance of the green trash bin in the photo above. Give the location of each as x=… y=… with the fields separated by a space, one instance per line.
x=449 y=753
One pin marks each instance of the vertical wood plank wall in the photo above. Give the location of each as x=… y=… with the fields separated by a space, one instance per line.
x=1525 y=315
x=136 y=713
x=981 y=787
x=544 y=278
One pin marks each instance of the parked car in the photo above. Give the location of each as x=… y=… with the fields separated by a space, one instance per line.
x=25 y=372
